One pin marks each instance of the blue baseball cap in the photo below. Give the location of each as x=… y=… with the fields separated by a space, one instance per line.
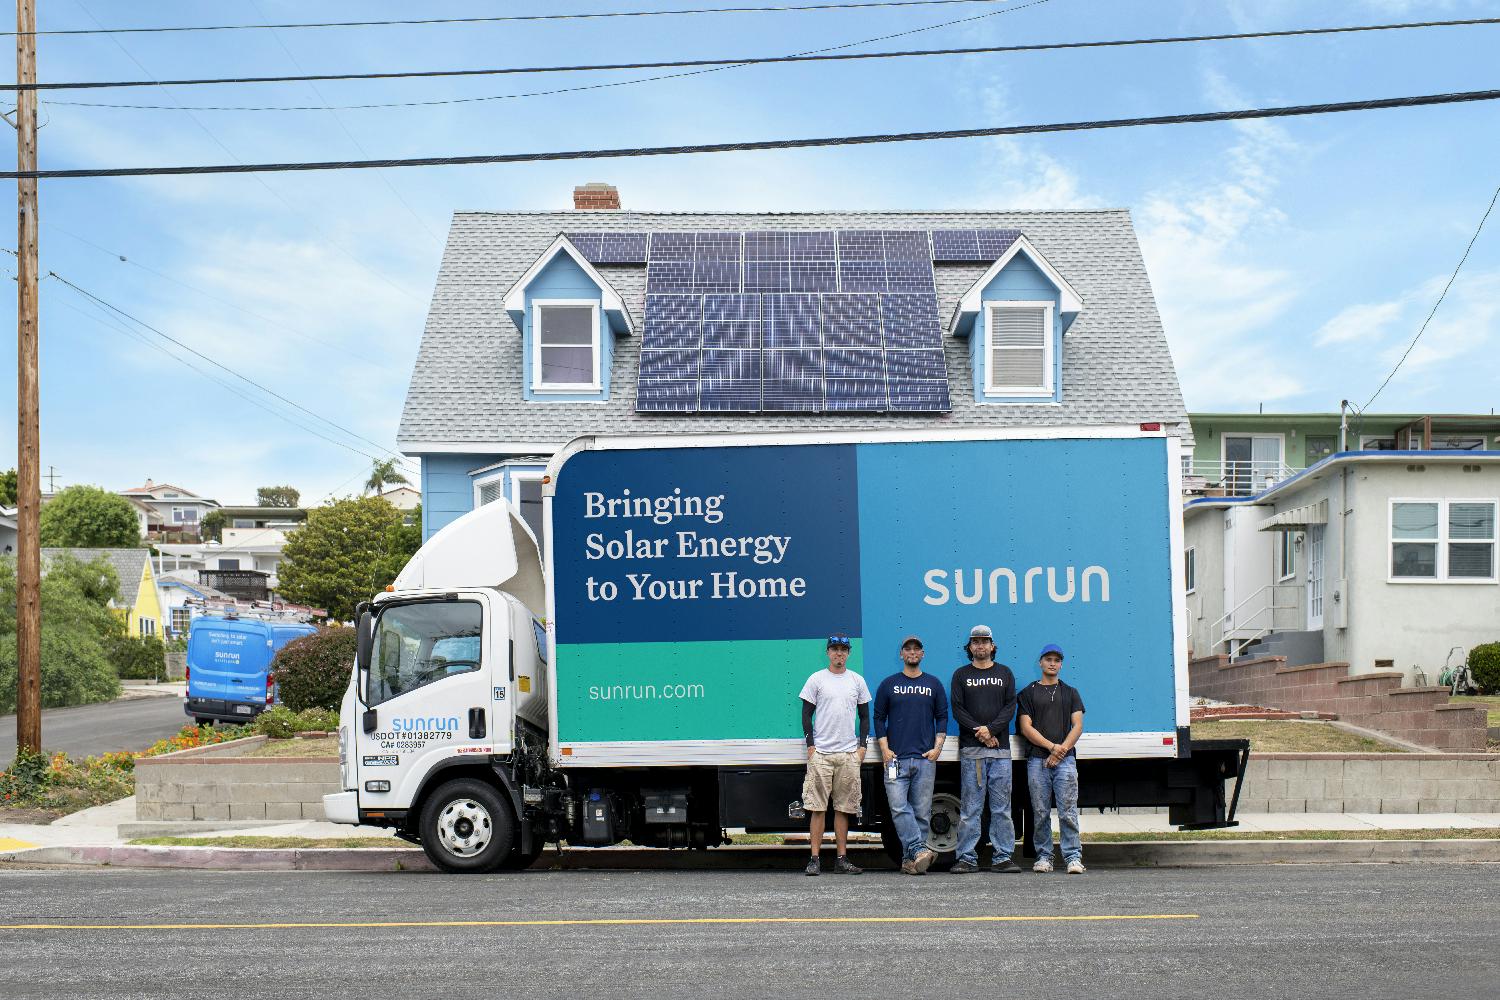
x=1051 y=647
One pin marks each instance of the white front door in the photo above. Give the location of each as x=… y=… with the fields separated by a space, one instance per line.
x=428 y=696
x=1315 y=576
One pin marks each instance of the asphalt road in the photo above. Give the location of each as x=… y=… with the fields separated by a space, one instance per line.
x=132 y=724
x=1368 y=931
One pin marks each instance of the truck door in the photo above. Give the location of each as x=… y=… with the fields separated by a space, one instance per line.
x=428 y=695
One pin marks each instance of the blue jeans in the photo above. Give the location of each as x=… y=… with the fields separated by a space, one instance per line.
x=985 y=771
x=910 y=796
x=1055 y=785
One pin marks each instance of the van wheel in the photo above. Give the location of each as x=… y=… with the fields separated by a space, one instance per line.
x=467 y=827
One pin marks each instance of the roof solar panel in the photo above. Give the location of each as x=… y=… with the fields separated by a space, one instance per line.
x=672 y=321
x=916 y=365
x=907 y=244
x=919 y=396
x=768 y=246
x=842 y=395
x=817 y=244
x=731 y=321
x=676 y=363
x=731 y=380
x=611 y=248
x=861 y=275
x=768 y=275
x=716 y=274
x=791 y=321
x=667 y=396
x=994 y=242
x=711 y=244
x=910 y=321
x=851 y=320
x=955 y=245
x=672 y=246
x=666 y=277
x=909 y=276
x=861 y=244
x=812 y=275
x=853 y=362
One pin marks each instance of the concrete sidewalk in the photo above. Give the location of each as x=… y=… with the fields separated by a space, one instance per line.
x=101 y=836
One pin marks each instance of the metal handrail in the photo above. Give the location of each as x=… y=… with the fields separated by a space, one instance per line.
x=1254 y=475
x=1217 y=631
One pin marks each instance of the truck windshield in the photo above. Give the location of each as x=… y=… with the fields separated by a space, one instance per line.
x=418 y=644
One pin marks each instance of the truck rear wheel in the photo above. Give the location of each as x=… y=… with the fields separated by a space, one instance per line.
x=467 y=827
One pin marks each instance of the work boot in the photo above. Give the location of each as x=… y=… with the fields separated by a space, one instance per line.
x=844 y=866
x=1076 y=868
x=909 y=867
x=963 y=868
x=924 y=859
x=1005 y=867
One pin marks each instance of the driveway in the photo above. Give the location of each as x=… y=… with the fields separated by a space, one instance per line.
x=127 y=724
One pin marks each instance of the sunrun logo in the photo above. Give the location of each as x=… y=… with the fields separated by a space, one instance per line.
x=969 y=586
x=436 y=724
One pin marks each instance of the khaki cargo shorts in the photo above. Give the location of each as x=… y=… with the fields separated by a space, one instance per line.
x=832 y=777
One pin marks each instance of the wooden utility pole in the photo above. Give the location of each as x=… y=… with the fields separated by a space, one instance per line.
x=28 y=465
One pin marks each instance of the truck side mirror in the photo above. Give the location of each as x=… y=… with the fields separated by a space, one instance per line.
x=364 y=641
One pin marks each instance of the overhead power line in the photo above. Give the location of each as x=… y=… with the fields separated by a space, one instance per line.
x=579 y=16
x=1246 y=114
x=223 y=367
x=1451 y=278
x=753 y=60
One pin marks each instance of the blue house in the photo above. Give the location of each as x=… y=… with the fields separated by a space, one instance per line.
x=548 y=325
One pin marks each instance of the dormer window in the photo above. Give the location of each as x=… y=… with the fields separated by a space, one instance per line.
x=566 y=345
x=1018 y=359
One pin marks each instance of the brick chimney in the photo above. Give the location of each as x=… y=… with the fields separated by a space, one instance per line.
x=592 y=197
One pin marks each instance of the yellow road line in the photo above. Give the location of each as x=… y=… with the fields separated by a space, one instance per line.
x=12 y=844
x=599 y=922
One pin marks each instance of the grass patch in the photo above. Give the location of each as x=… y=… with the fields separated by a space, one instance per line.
x=317 y=746
x=273 y=843
x=1490 y=701
x=1292 y=737
x=772 y=839
x=1480 y=833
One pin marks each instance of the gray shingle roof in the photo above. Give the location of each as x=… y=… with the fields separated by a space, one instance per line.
x=466 y=385
x=128 y=564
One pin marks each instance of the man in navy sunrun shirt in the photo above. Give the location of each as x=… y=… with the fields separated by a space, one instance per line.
x=911 y=722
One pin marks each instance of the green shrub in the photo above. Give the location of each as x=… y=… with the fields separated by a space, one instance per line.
x=138 y=657
x=77 y=628
x=313 y=671
x=280 y=723
x=1484 y=661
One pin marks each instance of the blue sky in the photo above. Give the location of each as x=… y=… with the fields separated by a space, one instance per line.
x=1292 y=261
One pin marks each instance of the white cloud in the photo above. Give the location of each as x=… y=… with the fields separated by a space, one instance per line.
x=1367 y=321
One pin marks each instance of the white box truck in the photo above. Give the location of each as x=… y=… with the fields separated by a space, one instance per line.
x=645 y=686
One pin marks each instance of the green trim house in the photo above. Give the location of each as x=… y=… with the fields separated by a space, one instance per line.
x=1240 y=454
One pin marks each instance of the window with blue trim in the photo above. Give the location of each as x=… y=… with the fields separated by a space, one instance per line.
x=565 y=345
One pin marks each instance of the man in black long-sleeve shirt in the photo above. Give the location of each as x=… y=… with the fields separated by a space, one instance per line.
x=983 y=700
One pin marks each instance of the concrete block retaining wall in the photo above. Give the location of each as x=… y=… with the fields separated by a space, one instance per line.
x=1374 y=701
x=1371 y=783
x=220 y=783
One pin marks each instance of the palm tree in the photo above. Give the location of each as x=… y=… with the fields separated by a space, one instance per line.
x=384 y=474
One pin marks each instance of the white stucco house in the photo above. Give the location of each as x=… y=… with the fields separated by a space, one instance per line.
x=1382 y=559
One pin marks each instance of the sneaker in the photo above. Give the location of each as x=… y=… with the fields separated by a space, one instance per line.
x=814 y=867
x=844 y=866
x=1006 y=867
x=924 y=860
x=1042 y=865
x=909 y=867
x=1076 y=868
x=963 y=868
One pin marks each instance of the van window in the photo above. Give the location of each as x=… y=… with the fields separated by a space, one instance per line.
x=420 y=644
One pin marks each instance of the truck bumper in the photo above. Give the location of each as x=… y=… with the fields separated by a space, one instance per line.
x=341 y=807
x=224 y=711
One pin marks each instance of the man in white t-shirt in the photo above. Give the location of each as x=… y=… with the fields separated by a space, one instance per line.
x=831 y=700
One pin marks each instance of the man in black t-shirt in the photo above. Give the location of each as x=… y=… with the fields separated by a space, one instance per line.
x=1051 y=720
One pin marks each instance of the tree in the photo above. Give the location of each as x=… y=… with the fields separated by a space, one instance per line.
x=338 y=557
x=8 y=488
x=78 y=629
x=384 y=474
x=211 y=528
x=88 y=517
x=402 y=542
x=278 y=496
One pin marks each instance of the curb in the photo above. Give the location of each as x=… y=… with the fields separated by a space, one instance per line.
x=1146 y=854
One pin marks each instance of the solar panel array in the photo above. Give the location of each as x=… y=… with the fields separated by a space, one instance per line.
x=792 y=321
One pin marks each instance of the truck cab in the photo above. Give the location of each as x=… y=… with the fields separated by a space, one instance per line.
x=445 y=676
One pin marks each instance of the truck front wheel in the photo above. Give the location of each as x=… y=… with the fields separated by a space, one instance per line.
x=467 y=827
